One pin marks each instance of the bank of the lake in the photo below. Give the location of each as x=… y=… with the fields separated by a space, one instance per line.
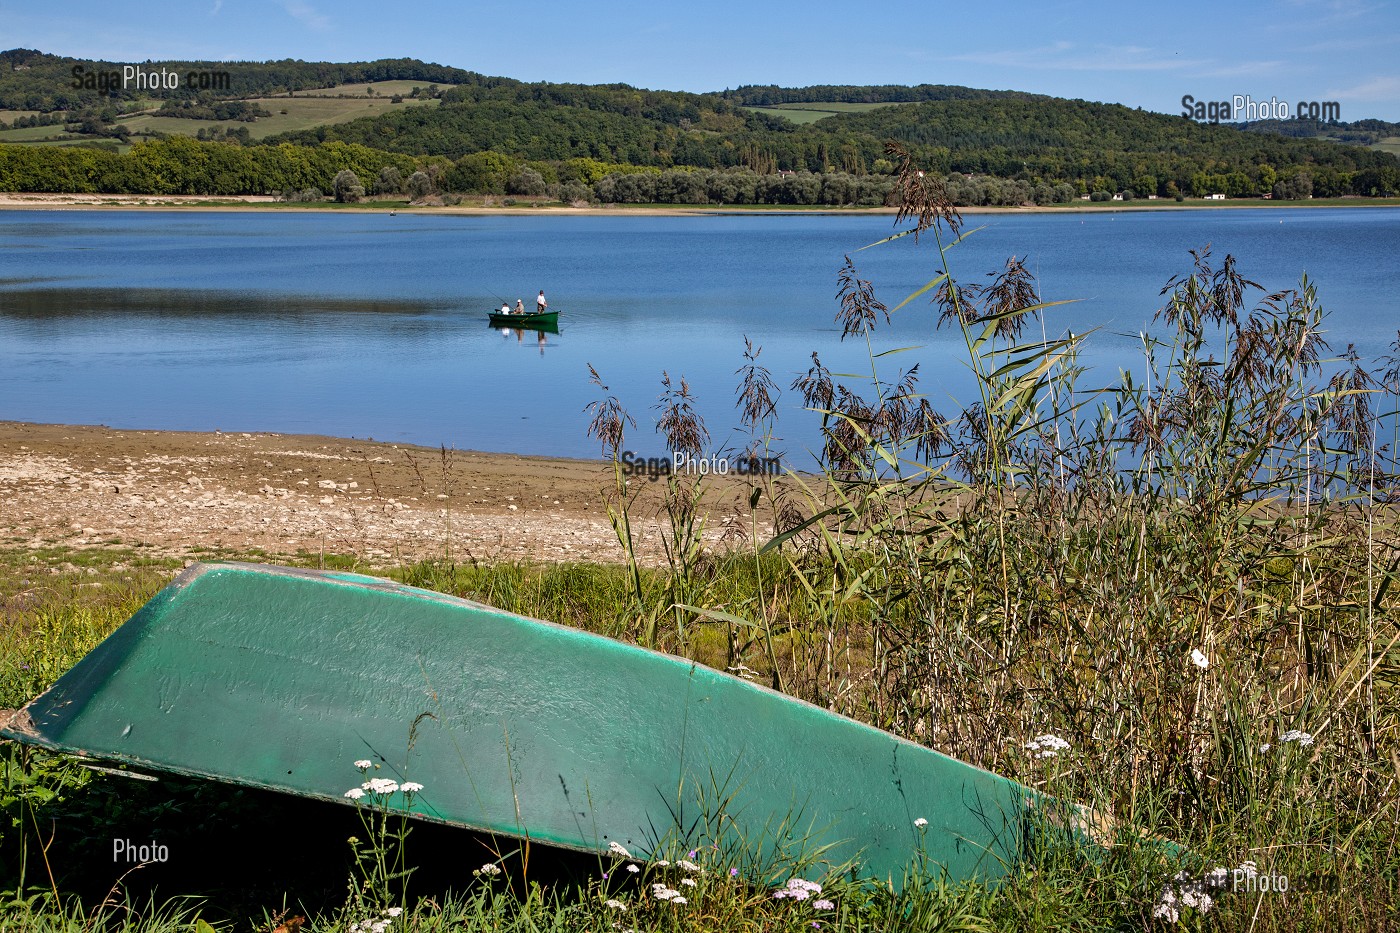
x=526 y=206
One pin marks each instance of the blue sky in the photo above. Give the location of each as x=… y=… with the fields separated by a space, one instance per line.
x=1293 y=50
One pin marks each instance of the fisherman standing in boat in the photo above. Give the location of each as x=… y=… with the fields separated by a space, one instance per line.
x=540 y=303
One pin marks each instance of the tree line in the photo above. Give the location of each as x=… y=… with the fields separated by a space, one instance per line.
x=349 y=172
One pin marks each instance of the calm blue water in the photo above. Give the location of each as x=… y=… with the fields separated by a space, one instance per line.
x=368 y=325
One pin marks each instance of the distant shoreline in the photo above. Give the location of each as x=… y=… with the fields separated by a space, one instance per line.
x=264 y=203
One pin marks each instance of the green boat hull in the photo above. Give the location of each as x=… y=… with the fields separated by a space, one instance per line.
x=538 y=321
x=281 y=679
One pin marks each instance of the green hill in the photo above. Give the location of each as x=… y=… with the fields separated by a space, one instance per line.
x=462 y=127
x=1039 y=139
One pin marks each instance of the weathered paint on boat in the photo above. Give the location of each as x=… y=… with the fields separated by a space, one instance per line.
x=281 y=678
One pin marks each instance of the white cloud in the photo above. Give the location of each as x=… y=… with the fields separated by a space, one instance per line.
x=1066 y=56
x=1384 y=88
x=307 y=15
x=1246 y=69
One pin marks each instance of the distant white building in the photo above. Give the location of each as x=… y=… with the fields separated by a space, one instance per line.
x=1215 y=197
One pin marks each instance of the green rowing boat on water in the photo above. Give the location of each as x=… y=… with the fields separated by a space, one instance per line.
x=280 y=678
x=533 y=319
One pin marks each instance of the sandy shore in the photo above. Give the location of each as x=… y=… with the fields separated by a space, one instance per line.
x=175 y=492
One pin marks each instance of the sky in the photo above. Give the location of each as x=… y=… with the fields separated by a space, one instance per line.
x=1290 y=51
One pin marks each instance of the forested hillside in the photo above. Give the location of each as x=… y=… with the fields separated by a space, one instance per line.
x=497 y=135
x=32 y=80
x=1042 y=140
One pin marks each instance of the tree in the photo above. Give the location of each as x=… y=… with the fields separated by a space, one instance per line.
x=419 y=186
x=347 y=187
x=526 y=181
x=390 y=181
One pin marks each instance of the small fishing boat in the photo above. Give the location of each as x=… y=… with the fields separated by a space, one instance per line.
x=534 y=319
x=283 y=679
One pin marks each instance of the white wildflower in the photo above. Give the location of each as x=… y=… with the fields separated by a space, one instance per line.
x=679 y=899
x=663 y=893
x=1217 y=877
x=921 y=822
x=1249 y=869
x=380 y=786
x=1297 y=735
x=1199 y=659
x=364 y=763
x=615 y=904
x=1265 y=747
x=490 y=868
x=799 y=889
x=633 y=869
x=410 y=787
x=1166 y=912
x=354 y=793
x=688 y=882
x=1046 y=746
x=823 y=904
x=688 y=865
x=392 y=911
x=662 y=862
x=616 y=849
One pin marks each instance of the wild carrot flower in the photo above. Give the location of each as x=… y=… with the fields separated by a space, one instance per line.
x=615 y=904
x=799 y=889
x=616 y=849
x=823 y=904
x=354 y=793
x=679 y=899
x=688 y=882
x=410 y=787
x=633 y=869
x=1297 y=735
x=688 y=865
x=921 y=822
x=364 y=764
x=490 y=868
x=1046 y=746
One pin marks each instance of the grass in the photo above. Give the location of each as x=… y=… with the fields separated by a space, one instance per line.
x=1389 y=144
x=811 y=112
x=302 y=113
x=1188 y=580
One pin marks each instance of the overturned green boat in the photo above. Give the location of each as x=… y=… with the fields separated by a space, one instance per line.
x=280 y=678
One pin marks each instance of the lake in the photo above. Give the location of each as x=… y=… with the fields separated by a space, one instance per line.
x=372 y=325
